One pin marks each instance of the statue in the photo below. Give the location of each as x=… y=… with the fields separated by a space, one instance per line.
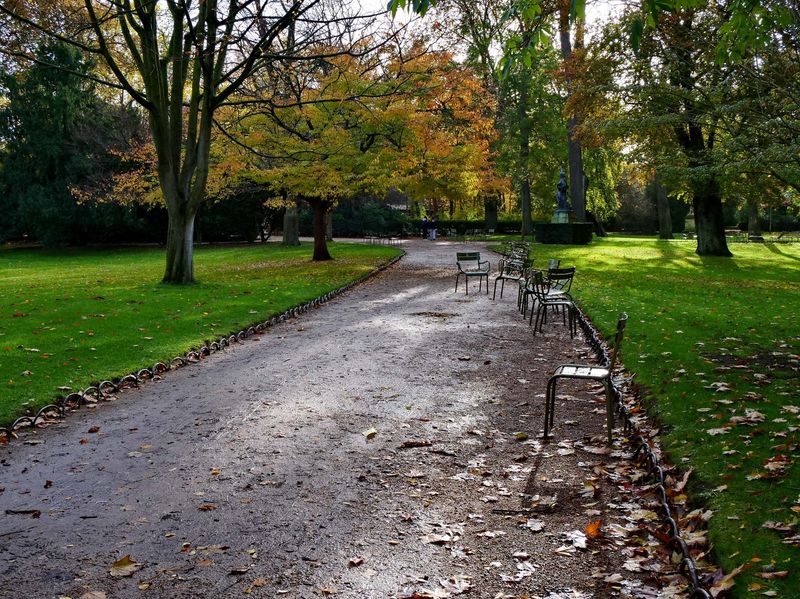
x=561 y=197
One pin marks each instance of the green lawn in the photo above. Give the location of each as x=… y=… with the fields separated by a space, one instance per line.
x=715 y=342
x=71 y=317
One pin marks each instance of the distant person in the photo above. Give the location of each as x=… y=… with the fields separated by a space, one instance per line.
x=432 y=226
x=424 y=227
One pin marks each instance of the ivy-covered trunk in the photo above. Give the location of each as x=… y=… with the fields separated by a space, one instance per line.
x=320 y=243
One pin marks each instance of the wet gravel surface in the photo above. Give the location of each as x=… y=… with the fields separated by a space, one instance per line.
x=384 y=445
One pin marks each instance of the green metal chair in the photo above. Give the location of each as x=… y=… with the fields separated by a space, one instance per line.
x=592 y=373
x=544 y=299
x=511 y=268
x=470 y=265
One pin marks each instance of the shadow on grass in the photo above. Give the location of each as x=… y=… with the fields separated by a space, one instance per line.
x=775 y=249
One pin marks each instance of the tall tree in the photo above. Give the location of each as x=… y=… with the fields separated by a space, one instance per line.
x=181 y=60
x=571 y=52
x=56 y=138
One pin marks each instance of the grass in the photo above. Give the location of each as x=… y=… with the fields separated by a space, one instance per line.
x=712 y=339
x=71 y=317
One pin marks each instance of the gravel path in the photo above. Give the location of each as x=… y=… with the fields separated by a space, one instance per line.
x=384 y=445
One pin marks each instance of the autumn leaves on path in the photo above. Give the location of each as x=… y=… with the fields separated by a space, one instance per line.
x=385 y=445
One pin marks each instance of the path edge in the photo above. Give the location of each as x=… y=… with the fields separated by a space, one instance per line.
x=108 y=389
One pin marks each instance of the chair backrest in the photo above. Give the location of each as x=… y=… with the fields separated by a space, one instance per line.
x=512 y=266
x=467 y=257
x=536 y=285
x=527 y=273
x=560 y=279
x=612 y=359
x=553 y=263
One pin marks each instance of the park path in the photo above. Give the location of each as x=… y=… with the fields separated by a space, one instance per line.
x=383 y=445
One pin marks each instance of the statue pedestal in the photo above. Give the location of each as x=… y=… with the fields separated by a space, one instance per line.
x=563 y=229
x=563 y=217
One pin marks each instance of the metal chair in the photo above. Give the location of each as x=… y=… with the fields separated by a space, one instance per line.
x=559 y=281
x=510 y=269
x=470 y=265
x=592 y=373
x=525 y=289
x=543 y=299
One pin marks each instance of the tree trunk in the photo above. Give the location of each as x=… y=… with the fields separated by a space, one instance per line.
x=180 y=248
x=490 y=211
x=575 y=153
x=708 y=219
x=524 y=153
x=753 y=226
x=662 y=206
x=329 y=226
x=525 y=198
x=599 y=230
x=291 y=226
x=576 y=172
x=320 y=243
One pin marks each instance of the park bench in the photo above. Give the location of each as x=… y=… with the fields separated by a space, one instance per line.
x=470 y=265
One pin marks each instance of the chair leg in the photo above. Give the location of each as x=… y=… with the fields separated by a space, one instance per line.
x=502 y=287
x=536 y=324
x=494 y=295
x=609 y=409
x=458 y=276
x=487 y=286
x=550 y=405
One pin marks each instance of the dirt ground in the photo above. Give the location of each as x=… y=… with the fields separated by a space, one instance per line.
x=384 y=445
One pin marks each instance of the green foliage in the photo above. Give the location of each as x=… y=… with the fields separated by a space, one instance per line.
x=72 y=317
x=40 y=158
x=695 y=323
x=56 y=136
x=750 y=25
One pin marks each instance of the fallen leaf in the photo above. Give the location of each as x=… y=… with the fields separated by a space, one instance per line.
x=771 y=575
x=354 y=562
x=124 y=567
x=725 y=583
x=206 y=507
x=594 y=529
x=411 y=443
x=534 y=524
x=490 y=534
x=370 y=433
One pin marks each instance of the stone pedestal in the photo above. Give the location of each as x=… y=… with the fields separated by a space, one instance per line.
x=688 y=223
x=562 y=217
